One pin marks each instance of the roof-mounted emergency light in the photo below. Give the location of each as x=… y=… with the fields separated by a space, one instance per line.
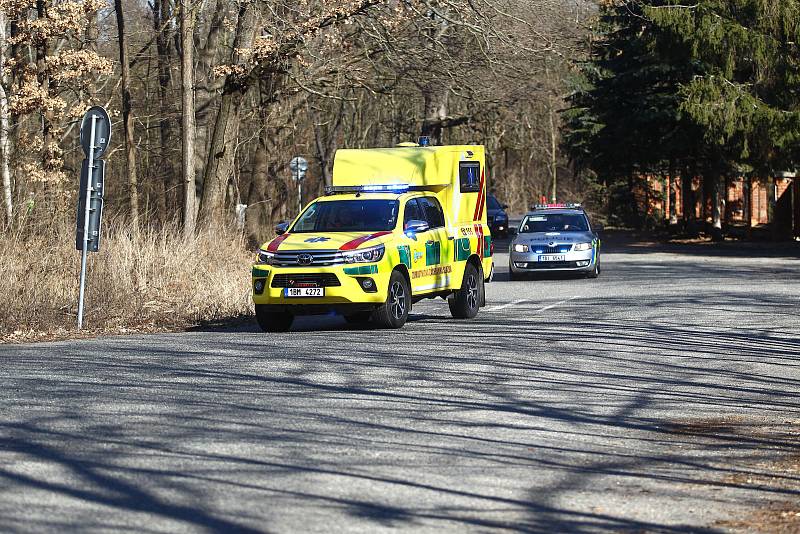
x=380 y=188
x=571 y=205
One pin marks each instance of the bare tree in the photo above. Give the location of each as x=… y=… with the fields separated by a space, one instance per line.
x=5 y=123
x=186 y=16
x=127 y=117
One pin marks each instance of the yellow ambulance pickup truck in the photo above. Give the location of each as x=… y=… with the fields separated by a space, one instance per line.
x=398 y=225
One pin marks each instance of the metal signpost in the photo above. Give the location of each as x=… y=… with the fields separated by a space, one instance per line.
x=299 y=166
x=95 y=137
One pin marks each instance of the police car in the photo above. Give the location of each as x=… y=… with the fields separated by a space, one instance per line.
x=555 y=237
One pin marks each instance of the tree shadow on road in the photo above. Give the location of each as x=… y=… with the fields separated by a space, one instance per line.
x=551 y=423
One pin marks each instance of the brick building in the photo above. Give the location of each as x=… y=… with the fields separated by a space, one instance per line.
x=774 y=202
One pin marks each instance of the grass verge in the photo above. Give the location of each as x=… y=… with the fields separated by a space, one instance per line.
x=151 y=280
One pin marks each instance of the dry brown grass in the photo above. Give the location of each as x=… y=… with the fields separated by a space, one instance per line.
x=153 y=280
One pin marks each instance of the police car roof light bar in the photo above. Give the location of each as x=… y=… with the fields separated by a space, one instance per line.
x=570 y=205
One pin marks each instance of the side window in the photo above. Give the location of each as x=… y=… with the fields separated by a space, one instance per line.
x=469 y=176
x=412 y=212
x=433 y=211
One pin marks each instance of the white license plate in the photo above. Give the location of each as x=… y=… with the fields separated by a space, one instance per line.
x=560 y=257
x=304 y=292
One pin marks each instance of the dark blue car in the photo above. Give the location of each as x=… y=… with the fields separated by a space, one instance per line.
x=498 y=218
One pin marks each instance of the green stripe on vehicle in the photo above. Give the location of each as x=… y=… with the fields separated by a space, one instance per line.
x=433 y=253
x=487 y=246
x=463 y=249
x=362 y=270
x=405 y=255
x=260 y=273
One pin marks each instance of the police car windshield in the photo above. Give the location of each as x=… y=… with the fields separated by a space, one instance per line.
x=554 y=222
x=348 y=216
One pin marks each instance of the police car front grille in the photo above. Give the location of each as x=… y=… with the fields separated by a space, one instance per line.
x=557 y=249
x=306 y=280
x=319 y=258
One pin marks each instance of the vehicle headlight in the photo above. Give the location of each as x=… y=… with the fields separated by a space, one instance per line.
x=367 y=255
x=265 y=257
x=521 y=248
x=583 y=246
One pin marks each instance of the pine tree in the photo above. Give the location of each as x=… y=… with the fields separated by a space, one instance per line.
x=626 y=122
x=748 y=98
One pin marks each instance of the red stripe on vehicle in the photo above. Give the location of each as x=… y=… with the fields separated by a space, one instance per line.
x=355 y=243
x=275 y=243
x=479 y=233
x=479 y=206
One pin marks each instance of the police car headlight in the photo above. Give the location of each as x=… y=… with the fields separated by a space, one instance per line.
x=583 y=246
x=367 y=255
x=521 y=248
x=265 y=257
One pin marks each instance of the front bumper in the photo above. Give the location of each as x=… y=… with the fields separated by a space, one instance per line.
x=583 y=261
x=348 y=291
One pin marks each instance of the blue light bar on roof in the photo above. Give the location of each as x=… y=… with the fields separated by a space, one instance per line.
x=555 y=206
x=386 y=187
x=376 y=188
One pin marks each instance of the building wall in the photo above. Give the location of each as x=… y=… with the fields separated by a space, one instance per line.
x=735 y=204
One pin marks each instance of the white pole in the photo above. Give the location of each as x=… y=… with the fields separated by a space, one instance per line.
x=299 y=194
x=87 y=200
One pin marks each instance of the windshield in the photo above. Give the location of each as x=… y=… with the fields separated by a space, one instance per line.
x=492 y=203
x=348 y=216
x=555 y=222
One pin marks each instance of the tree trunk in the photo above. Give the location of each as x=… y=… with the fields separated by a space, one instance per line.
x=127 y=118
x=747 y=201
x=553 y=164
x=716 y=205
x=688 y=200
x=220 y=163
x=435 y=102
x=187 y=115
x=48 y=155
x=5 y=123
x=169 y=200
x=207 y=85
x=672 y=194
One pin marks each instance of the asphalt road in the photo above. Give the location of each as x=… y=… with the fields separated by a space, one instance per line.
x=657 y=398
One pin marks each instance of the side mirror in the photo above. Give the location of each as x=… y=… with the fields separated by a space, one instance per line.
x=281 y=227
x=504 y=206
x=415 y=226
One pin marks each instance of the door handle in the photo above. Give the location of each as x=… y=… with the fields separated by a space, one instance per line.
x=431 y=242
x=450 y=238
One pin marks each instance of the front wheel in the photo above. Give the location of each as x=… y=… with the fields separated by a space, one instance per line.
x=273 y=321
x=465 y=302
x=594 y=273
x=394 y=312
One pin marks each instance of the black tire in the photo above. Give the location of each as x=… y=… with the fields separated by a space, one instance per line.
x=273 y=321
x=358 y=317
x=394 y=312
x=465 y=303
x=594 y=273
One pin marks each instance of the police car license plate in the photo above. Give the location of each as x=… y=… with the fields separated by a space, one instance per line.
x=304 y=292
x=560 y=257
